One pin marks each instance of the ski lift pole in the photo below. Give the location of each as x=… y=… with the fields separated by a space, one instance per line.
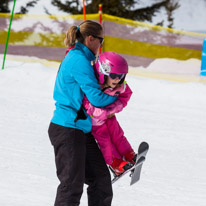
x=84 y=11
x=7 y=39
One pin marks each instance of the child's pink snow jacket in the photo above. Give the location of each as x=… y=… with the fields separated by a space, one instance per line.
x=107 y=131
x=99 y=115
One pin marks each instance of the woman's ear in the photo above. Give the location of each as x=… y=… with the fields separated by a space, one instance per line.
x=88 y=40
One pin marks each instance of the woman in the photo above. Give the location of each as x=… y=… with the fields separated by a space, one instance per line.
x=77 y=156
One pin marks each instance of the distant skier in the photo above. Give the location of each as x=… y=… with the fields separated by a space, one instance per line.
x=111 y=70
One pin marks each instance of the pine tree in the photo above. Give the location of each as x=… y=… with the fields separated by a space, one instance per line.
x=25 y=9
x=120 y=8
x=170 y=7
x=4 y=6
x=71 y=6
x=125 y=9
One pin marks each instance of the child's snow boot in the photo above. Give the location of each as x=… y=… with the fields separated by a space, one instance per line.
x=131 y=157
x=119 y=166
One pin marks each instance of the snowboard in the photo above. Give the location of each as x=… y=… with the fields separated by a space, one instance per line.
x=135 y=170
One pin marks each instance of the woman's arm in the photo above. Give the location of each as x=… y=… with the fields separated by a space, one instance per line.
x=83 y=73
x=115 y=107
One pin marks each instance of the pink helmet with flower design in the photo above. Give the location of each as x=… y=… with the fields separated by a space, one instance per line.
x=109 y=64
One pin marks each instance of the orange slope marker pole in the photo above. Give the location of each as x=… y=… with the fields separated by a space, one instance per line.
x=84 y=11
x=100 y=21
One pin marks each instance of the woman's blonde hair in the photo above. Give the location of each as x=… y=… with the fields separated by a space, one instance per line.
x=79 y=33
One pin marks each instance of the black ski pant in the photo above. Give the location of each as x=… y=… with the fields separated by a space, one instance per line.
x=78 y=161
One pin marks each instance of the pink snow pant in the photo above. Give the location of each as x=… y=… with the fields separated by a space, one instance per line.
x=111 y=140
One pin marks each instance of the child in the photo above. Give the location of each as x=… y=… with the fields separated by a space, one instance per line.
x=111 y=70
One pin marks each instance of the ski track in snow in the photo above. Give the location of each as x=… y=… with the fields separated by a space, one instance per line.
x=170 y=116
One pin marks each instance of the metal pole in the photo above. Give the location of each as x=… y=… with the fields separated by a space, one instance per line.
x=7 y=39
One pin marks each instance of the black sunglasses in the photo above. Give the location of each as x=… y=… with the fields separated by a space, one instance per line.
x=100 y=38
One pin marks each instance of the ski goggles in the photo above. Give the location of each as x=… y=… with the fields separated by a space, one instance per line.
x=116 y=76
x=112 y=76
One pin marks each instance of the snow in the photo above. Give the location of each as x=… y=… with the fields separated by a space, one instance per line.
x=172 y=66
x=190 y=16
x=169 y=115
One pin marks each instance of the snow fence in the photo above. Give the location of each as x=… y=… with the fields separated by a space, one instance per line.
x=42 y=36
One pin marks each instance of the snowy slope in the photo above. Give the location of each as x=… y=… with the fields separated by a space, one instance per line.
x=170 y=116
x=190 y=16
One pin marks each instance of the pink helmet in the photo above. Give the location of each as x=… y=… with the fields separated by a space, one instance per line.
x=108 y=63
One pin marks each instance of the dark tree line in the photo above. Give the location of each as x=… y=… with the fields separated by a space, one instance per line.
x=121 y=8
x=4 y=6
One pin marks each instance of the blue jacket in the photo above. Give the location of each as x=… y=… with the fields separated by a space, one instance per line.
x=74 y=79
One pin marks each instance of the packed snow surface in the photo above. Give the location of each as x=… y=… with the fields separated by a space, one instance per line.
x=170 y=116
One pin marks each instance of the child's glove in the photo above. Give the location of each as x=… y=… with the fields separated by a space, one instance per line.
x=103 y=113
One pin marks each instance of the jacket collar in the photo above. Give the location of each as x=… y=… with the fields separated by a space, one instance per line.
x=89 y=54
